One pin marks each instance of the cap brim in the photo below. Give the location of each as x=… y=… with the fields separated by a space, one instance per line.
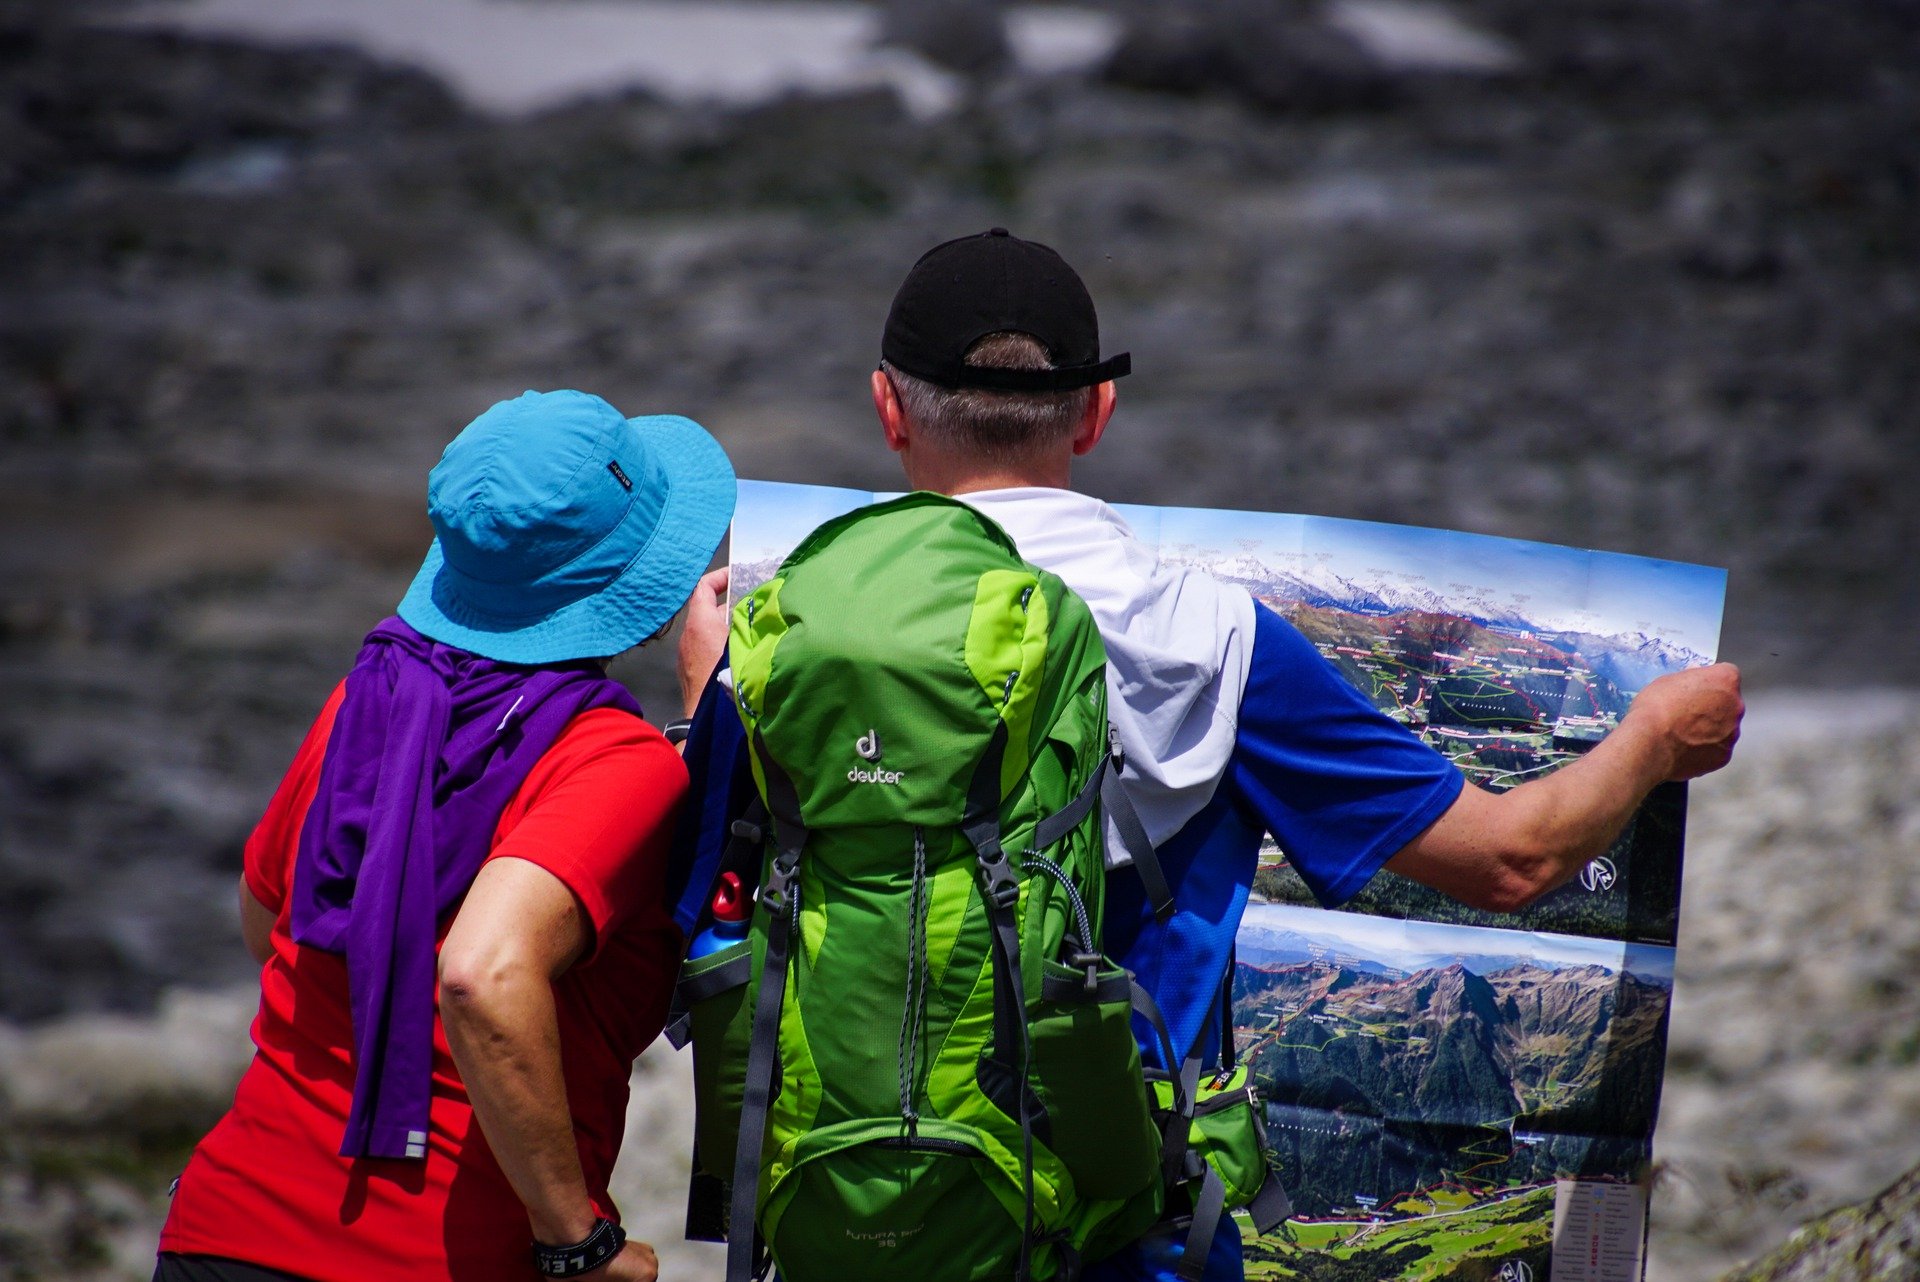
x=647 y=592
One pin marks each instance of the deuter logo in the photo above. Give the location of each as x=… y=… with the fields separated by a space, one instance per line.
x=868 y=746
x=885 y=1239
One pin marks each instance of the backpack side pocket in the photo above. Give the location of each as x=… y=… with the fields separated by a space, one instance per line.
x=716 y=991
x=1088 y=1069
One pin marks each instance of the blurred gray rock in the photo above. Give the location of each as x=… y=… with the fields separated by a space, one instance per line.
x=1279 y=57
x=1876 y=1241
x=1791 y=1087
x=968 y=36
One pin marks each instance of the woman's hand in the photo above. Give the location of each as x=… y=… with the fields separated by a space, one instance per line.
x=703 y=638
x=635 y=1263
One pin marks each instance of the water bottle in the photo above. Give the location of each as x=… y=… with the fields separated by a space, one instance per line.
x=732 y=906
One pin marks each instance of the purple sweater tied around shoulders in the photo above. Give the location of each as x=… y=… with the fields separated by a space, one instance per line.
x=429 y=745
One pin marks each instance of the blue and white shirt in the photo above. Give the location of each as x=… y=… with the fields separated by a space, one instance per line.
x=1234 y=726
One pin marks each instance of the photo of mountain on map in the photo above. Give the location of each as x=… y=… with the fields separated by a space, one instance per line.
x=1428 y=1086
x=1511 y=658
x=769 y=520
x=1446 y=1089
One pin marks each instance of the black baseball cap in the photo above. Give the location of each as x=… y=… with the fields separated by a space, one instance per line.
x=963 y=290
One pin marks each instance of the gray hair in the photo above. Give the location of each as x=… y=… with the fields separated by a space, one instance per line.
x=1005 y=427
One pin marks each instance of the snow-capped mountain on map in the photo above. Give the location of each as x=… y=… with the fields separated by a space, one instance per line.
x=1271 y=948
x=1629 y=660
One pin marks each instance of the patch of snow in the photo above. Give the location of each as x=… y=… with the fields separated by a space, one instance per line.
x=1061 y=41
x=1410 y=36
x=518 y=57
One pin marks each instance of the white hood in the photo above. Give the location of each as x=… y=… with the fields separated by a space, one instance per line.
x=1178 y=647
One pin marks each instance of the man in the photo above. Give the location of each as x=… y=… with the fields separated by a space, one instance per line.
x=1232 y=724
x=477 y=798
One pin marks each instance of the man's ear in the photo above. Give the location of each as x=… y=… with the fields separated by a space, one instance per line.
x=1093 y=423
x=893 y=419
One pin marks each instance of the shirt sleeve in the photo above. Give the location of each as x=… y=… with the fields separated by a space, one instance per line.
x=599 y=814
x=267 y=862
x=1340 y=785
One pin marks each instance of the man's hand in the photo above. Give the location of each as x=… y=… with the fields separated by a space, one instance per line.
x=1501 y=851
x=635 y=1263
x=1697 y=714
x=703 y=637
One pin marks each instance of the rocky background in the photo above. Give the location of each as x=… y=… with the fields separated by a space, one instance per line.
x=1627 y=274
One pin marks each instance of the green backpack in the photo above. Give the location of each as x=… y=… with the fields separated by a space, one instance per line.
x=917 y=1064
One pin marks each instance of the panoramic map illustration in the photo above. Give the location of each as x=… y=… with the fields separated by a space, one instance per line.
x=1449 y=1093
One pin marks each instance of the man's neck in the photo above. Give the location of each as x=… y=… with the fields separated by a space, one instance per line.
x=947 y=475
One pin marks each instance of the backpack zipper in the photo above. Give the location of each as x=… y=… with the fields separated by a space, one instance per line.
x=928 y=1144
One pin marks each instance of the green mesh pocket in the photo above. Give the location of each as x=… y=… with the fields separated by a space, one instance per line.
x=721 y=1020
x=1088 y=1069
x=864 y=1202
x=1226 y=1131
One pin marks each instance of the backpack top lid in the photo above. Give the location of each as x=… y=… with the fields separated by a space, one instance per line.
x=875 y=670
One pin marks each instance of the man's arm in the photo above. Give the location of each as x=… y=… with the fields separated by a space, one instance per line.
x=518 y=930
x=1501 y=851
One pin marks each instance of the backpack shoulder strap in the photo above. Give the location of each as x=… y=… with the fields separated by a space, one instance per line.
x=1134 y=839
x=780 y=896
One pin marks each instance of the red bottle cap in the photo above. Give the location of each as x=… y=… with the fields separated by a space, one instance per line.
x=730 y=900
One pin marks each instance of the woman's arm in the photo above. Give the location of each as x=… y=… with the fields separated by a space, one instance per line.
x=256 y=925
x=518 y=930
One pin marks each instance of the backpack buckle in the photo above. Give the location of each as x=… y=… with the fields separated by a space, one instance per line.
x=751 y=833
x=780 y=881
x=997 y=882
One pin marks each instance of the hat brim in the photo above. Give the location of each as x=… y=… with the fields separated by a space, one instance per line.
x=646 y=593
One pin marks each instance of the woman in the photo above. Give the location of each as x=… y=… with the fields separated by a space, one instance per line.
x=478 y=798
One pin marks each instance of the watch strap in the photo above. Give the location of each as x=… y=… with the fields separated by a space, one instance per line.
x=583 y=1256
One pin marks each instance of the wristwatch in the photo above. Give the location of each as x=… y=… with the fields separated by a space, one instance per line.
x=583 y=1256
x=676 y=731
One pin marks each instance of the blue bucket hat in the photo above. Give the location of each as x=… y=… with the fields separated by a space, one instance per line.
x=567 y=530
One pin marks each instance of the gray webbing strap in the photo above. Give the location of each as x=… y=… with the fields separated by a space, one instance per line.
x=1150 y=1011
x=780 y=897
x=1270 y=1207
x=1206 y=1219
x=735 y=971
x=1073 y=990
x=1174 y=1155
x=1068 y=817
x=690 y=990
x=1000 y=893
x=1228 y=1051
x=1133 y=838
x=1009 y=1017
x=763 y=1057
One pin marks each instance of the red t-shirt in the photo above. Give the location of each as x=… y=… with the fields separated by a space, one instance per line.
x=268 y=1186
